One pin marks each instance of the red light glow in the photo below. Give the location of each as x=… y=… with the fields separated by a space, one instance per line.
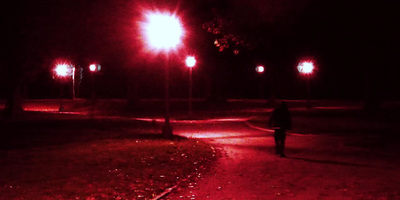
x=260 y=69
x=190 y=61
x=163 y=31
x=306 y=67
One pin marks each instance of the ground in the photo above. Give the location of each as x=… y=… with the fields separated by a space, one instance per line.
x=60 y=156
x=332 y=153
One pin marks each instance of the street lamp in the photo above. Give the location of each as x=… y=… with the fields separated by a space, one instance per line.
x=62 y=70
x=93 y=68
x=163 y=32
x=190 y=63
x=260 y=70
x=306 y=68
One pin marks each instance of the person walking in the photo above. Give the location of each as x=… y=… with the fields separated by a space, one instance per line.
x=280 y=121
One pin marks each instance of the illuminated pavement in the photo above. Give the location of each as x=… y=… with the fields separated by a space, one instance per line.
x=317 y=166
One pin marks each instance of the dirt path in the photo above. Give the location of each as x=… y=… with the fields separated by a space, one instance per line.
x=317 y=167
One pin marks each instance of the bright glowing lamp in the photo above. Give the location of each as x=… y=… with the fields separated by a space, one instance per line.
x=92 y=67
x=190 y=61
x=62 y=69
x=260 y=69
x=306 y=67
x=163 y=31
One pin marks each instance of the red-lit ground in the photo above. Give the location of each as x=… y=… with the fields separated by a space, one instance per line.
x=316 y=167
x=332 y=153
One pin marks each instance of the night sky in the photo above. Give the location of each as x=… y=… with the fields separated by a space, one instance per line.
x=355 y=46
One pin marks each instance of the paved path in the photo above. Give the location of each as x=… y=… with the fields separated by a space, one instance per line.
x=317 y=167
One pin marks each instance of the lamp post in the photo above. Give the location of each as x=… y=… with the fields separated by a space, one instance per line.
x=306 y=68
x=260 y=70
x=190 y=63
x=73 y=82
x=93 y=68
x=62 y=70
x=163 y=32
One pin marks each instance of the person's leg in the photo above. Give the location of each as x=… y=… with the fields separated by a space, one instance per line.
x=280 y=146
x=283 y=139
x=277 y=142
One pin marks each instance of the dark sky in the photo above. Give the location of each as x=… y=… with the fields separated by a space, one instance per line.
x=354 y=44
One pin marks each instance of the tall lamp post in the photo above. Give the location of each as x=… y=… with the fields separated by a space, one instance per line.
x=93 y=68
x=163 y=32
x=306 y=68
x=190 y=63
x=260 y=70
x=62 y=70
x=73 y=82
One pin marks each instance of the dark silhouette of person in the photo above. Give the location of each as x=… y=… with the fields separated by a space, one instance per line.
x=280 y=121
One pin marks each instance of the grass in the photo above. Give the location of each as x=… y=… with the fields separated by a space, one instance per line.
x=93 y=159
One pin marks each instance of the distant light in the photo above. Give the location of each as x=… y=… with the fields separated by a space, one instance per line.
x=260 y=69
x=190 y=61
x=306 y=67
x=92 y=67
x=63 y=69
x=163 y=31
